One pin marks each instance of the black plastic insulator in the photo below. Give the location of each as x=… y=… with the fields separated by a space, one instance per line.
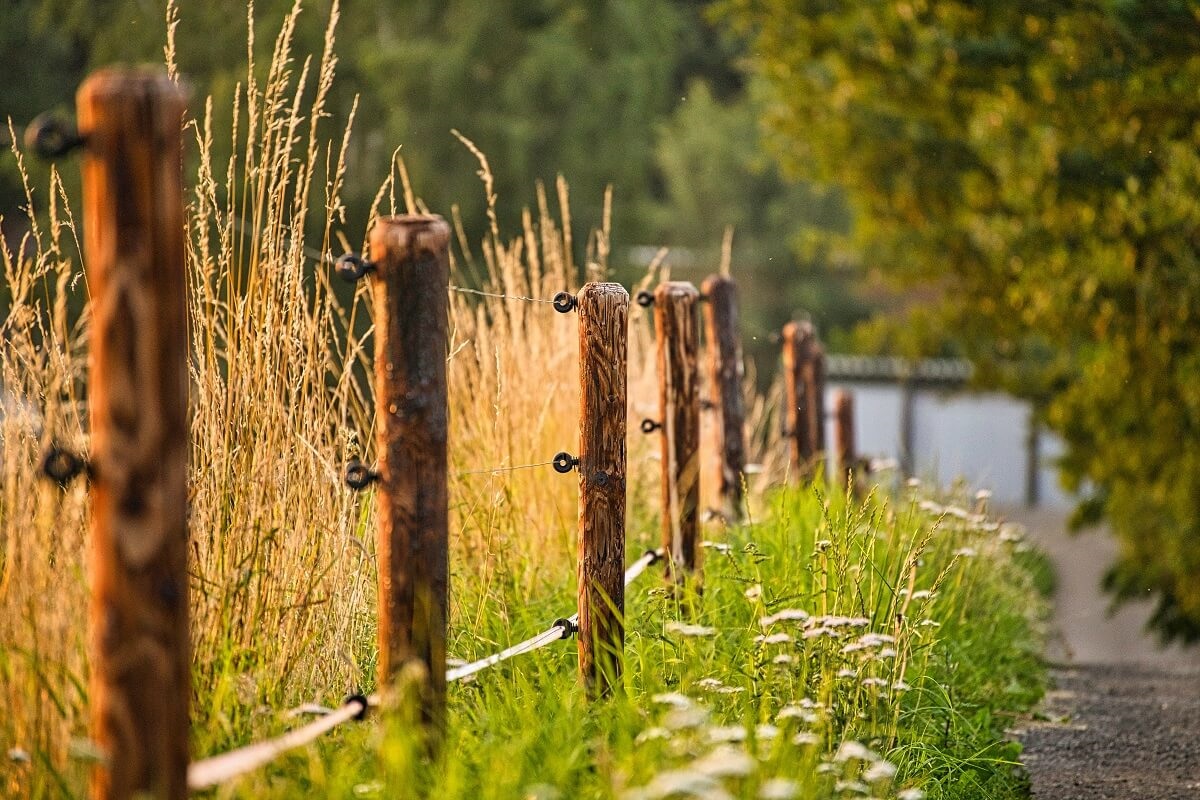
x=645 y=299
x=361 y=700
x=63 y=466
x=650 y=425
x=565 y=302
x=359 y=476
x=564 y=462
x=569 y=628
x=654 y=556
x=50 y=136
x=352 y=267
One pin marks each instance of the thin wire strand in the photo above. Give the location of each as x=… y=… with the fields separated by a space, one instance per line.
x=224 y=767
x=465 y=290
x=496 y=470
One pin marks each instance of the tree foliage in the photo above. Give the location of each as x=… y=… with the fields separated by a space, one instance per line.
x=1035 y=163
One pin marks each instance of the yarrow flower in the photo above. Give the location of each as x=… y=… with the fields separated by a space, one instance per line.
x=688 y=629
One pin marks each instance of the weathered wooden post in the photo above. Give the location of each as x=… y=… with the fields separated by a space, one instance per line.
x=798 y=343
x=603 y=345
x=131 y=122
x=725 y=372
x=843 y=422
x=677 y=334
x=410 y=261
x=814 y=390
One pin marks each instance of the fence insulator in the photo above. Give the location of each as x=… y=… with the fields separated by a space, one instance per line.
x=677 y=335
x=603 y=349
x=134 y=248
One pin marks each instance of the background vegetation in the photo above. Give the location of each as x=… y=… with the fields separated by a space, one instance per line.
x=1029 y=171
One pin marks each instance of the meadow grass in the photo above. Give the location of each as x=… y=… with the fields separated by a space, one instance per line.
x=902 y=644
x=282 y=567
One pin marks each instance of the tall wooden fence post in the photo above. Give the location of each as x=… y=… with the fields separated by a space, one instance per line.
x=725 y=371
x=138 y=393
x=411 y=265
x=798 y=343
x=814 y=389
x=677 y=334
x=603 y=346
x=844 y=441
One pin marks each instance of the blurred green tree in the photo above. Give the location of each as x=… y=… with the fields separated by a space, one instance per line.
x=1032 y=168
x=645 y=95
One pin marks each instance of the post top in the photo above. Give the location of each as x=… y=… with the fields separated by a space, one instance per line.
x=144 y=80
x=713 y=281
x=603 y=289
x=798 y=331
x=405 y=236
x=680 y=290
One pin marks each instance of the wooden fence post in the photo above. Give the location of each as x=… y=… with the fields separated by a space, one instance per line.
x=410 y=259
x=131 y=122
x=603 y=346
x=843 y=418
x=677 y=335
x=798 y=343
x=725 y=372
x=814 y=389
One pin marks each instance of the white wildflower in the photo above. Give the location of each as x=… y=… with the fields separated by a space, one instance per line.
x=727 y=733
x=983 y=494
x=688 y=629
x=852 y=786
x=674 y=699
x=887 y=652
x=900 y=686
x=19 y=755
x=681 y=782
x=846 y=672
x=680 y=718
x=880 y=682
x=650 y=734
x=851 y=749
x=786 y=614
x=766 y=731
x=966 y=552
x=929 y=623
x=806 y=737
x=709 y=683
x=753 y=592
x=779 y=789
x=813 y=633
x=912 y=483
x=825 y=766
x=784 y=658
x=881 y=770
x=724 y=762
x=774 y=638
x=911 y=794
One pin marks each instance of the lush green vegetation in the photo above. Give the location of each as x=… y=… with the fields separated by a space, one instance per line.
x=1033 y=169
x=917 y=642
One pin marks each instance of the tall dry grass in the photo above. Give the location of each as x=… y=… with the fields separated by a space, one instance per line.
x=282 y=566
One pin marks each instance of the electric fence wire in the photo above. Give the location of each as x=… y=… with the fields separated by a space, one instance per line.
x=218 y=769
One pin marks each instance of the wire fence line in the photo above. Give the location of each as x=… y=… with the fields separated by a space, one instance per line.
x=218 y=769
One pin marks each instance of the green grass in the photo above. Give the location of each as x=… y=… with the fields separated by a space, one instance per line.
x=968 y=653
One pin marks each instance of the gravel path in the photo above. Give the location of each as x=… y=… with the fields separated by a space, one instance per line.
x=1123 y=722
